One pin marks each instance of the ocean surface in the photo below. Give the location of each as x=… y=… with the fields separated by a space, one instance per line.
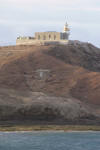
x=50 y=141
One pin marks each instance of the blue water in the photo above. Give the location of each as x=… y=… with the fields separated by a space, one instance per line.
x=50 y=141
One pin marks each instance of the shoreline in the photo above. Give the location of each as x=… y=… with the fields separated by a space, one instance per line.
x=49 y=128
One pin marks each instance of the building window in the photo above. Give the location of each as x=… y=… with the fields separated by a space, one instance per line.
x=44 y=37
x=54 y=37
x=49 y=37
x=38 y=37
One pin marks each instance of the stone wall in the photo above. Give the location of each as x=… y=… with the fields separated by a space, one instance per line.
x=52 y=36
x=40 y=42
x=43 y=38
x=25 y=42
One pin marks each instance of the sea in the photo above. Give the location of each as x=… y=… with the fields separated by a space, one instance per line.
x=50 y=140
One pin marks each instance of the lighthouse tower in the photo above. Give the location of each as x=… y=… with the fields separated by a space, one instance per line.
x=66 y=28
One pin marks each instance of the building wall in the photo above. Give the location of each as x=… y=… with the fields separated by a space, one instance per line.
x=52 y=36
x=40 y=42
x=44 y=38
x=64 y=36
x=25 y=41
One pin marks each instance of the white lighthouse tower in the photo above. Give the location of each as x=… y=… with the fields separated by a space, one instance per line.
x=66 y=28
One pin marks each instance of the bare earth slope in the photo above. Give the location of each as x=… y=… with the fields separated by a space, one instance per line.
x=58 y=84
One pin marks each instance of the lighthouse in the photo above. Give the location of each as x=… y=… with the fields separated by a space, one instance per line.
x=66 y=28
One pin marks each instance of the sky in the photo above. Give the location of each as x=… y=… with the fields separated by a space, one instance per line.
x=24 y=17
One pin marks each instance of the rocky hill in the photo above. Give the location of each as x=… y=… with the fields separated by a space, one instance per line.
x=50 y=84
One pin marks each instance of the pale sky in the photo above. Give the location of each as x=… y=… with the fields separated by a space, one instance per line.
x=24 y=17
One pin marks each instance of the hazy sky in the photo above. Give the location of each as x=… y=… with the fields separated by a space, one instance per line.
x=24 y=17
